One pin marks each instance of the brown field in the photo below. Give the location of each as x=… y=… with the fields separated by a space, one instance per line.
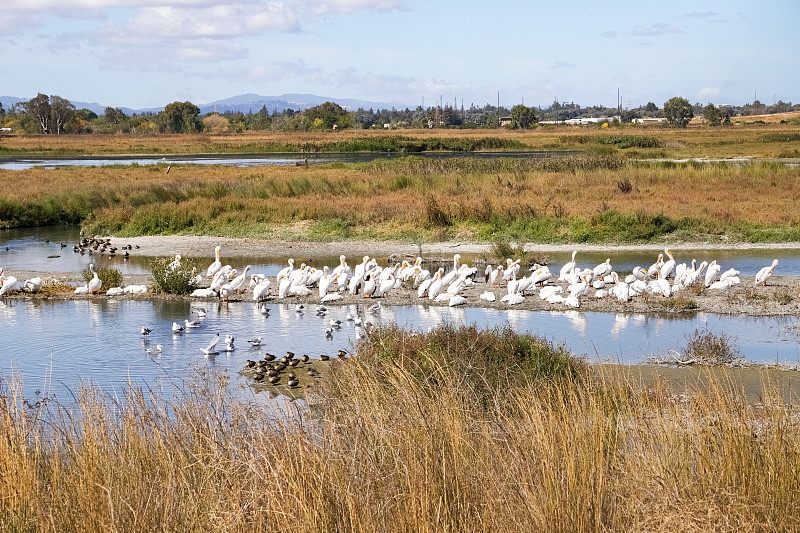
x=409 y=199
x=740 y=140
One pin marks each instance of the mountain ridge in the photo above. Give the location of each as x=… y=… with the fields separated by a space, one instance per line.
x=244 y=103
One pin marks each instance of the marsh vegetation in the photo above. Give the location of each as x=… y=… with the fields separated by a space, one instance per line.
x=461 y=429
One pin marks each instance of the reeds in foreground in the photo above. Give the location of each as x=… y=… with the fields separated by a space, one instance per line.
x=457 y=430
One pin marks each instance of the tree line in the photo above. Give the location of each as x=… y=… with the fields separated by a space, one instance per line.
x=53 y=114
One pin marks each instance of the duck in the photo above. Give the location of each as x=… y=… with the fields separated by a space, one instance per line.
x=256 y=342
x=214 y=267
x=765 y=273
x=177 y=328
x=95 y=283
x=146 y=330
x=191 y=323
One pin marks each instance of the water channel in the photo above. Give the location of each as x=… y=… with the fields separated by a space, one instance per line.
x=54 y=346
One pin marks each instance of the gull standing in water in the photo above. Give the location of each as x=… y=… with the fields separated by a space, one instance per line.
x=211 y=348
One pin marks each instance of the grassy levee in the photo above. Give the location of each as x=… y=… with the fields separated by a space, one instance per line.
x=457 y=430
x=593 y=197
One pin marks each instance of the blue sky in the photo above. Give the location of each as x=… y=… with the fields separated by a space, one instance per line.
x=147 y=53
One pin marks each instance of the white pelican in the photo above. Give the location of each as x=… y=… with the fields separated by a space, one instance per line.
x=451 y=275
x=568 y=267
x=154 y=351
x=765 y=273
x=8 y=284
x=602 y=269
x=712 y=273
x=211 y=348
x=457 y=300
x=216 y=265
x=369 y=285
x=78 y=290
x=325 y=281
x=730 y=273
x=668 y=266
x=176 y=264
x=261 y=289
x=495 y=276
x=488 y=296
x=33 y=284
x=621 y=289
x=95 y=283
x=426 y=284
x=641 y=273
x=540 y=275
x=203 y=293
x=436 y=285
x=135 y=289
x=115 y=291
x=238 y=281
x=655 y=267
x=286 y=270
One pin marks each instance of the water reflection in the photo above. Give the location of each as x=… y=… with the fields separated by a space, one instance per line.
x=64 y=343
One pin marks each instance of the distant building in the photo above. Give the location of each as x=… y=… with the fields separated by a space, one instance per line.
x=505 y=121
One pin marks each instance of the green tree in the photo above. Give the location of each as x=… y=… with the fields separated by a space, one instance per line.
x=180 y=117
x=115 y=115
x=713 y=115
x=38 y=109
x=651 y=107
x=61 y=112
x=678 y=111
x=2 y=111
x=330 y=113
x=523 y=117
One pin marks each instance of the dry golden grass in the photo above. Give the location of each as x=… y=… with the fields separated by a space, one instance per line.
x=389 y=448
x=396 y=200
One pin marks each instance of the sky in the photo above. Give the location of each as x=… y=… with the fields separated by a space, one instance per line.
x=147 y=53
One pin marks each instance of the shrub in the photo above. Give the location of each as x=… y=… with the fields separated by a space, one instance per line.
x=706 y=348
x=173 y=280
x=111 y=277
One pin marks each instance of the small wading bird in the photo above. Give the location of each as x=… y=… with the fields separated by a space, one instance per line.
x=154 y=351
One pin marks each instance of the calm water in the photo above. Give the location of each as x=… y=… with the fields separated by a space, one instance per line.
x=249 y=160
x=55 y=346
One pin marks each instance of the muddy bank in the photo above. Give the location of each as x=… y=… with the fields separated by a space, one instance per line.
x=193 y=246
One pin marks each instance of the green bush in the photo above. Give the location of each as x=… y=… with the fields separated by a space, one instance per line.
x=173 y=280
x=484 y=362
x=110 y=277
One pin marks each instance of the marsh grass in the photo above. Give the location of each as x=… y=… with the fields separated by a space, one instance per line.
x=707 y=348
x=415 y=434
x=578 y=198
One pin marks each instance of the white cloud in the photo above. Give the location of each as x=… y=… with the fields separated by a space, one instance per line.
x=659 y=28
x=708 y=93
x=609 y=34
x=562 y=64
x=326 y=7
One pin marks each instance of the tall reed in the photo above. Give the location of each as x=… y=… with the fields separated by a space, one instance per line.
x=412 y=435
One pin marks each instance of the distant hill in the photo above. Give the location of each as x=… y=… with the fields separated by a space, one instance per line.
x=241 y=103
x=254 y=102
